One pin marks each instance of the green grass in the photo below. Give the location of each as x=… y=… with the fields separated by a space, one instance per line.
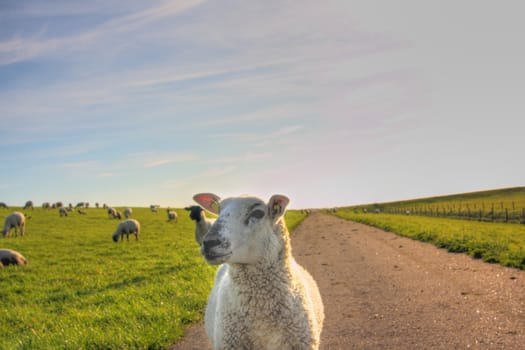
x=492 y=242
x=81 y=290
x=293 y=218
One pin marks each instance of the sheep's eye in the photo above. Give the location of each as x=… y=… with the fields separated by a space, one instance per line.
x=257 y=214
x=254 y=215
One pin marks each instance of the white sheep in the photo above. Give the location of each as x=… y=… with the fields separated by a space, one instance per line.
x=127 y=212
x=172 y=215
x=29 y=204
x=202 y=223
x=62 y=211
x=262 y=299
x=125 y=228
x=11 y=257
x=15 y=220
x=115 y=214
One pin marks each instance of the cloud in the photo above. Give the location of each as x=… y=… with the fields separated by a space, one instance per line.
x=164 y=159
x=242 y=158
x=79 y=165
x=19 y=48
x=217 y=171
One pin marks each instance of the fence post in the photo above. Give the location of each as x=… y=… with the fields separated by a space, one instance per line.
x=506 y=215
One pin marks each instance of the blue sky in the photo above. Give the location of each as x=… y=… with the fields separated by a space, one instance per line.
x=330 y=103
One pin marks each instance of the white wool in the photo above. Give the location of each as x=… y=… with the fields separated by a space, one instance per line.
x=127 y=227
x=14 y=220
x=11 y=257
x=262 y=298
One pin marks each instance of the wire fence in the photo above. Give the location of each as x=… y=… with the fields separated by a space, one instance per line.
x=493 y=213
x=506 y=215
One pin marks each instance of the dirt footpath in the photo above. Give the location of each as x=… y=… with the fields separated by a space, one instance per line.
x=382 y=291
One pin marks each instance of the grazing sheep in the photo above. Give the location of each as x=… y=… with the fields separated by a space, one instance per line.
x=62 y=211
x=82 y=212
x=3 y=205
x=14 y=220
x=262 y=299
x=46 y=205
x=29 y=204
x=202 y=223
x=125 y=228
x=172 y=215
x=154 y=208
x=115 y=214
x=11 y=257
x=127 y=212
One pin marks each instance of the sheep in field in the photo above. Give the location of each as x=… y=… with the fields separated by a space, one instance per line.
x=262 y=299
x=29 y=204
x=202 y=223
x=125 y=228
x=16 y=220
x=115 y=214
x=172 y=215
x=11 y=257
x=62 y=211
x=127 y=212
x=3 y=205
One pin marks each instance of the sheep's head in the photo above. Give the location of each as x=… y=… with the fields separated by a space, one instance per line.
x=195 y=212
x=244 y=231
x=116 y=236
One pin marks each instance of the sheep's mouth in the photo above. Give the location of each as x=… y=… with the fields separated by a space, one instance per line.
x=217 y=259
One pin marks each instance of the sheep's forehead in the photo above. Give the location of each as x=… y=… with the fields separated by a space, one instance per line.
x=239 y=205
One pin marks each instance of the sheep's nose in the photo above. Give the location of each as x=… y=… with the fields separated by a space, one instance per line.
x=210 y=243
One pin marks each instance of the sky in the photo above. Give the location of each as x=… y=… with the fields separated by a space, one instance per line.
x=333 y=103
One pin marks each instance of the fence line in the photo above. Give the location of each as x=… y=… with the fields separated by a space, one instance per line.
x=504 y=215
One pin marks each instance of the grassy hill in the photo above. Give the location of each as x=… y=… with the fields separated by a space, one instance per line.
x=504 y=205
x=434 y=220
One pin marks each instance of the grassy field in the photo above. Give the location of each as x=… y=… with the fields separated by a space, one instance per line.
x=497 y=205
x=81 y=290
x=492 y=242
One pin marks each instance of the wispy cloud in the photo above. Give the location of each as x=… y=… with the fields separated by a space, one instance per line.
x=217 y=171
x=156 y=160
x=242 y=158
x=108 y=175
x=21 y=48
x=79 y=165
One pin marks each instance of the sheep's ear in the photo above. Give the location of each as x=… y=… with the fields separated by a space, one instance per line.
x=209 y=201
x=277 y=206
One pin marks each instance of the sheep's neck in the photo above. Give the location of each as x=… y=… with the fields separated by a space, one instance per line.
x=270 y=272
x=201 y=228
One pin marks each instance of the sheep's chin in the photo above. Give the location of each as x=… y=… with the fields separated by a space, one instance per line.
x=217 y=260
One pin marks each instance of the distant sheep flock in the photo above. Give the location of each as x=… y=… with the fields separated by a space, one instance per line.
x=15 y=224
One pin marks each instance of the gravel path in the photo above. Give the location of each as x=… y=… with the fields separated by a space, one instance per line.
x=382 y=291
